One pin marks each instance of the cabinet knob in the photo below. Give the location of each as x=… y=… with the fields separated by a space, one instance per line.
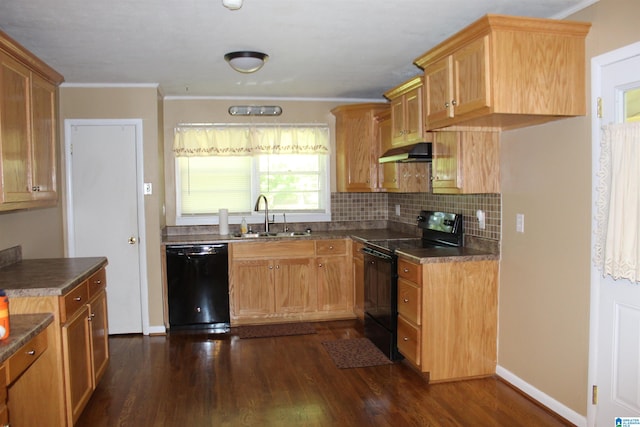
x=35 y=188
x=78 y=299
x=31 y=352
x=320 y=265
x=406 y=270
x=405 y=339
x=405 y=300
x=271 y=267
x=331 y=247
x=446 y=105
x=97 y=282
x=278 y=267
x=453 y=102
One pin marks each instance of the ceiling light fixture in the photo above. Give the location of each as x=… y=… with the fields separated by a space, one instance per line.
x=246 y=61
x=232 y=4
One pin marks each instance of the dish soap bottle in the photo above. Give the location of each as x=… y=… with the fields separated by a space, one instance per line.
x=243 y=226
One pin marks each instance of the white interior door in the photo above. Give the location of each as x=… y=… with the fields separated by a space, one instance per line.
x=615 y=355
x=103 y=217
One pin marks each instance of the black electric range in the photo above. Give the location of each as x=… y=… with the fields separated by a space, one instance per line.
x=439 y=229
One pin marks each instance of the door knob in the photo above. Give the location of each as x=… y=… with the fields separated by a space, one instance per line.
x=132 y=240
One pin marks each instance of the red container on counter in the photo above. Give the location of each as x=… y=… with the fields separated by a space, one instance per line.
x=4 y=315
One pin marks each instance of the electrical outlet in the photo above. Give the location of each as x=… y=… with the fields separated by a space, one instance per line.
x=520 y=223
x=397 y=210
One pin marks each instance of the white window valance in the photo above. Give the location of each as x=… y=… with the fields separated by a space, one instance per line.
x=617 y=247
x=244 y=140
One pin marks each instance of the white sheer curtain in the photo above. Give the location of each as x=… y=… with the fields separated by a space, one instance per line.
x=234 y=140
x=617 y=249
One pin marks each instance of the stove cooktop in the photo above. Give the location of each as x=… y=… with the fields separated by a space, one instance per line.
x=393 y=244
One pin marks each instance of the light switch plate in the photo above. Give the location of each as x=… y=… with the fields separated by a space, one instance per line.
x=520 y=223
x=397 y=210
x=147 y=189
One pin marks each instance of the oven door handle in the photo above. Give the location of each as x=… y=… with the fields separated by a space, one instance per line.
x=377 y=254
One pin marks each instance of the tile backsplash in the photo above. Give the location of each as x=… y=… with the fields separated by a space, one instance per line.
x=366 y=207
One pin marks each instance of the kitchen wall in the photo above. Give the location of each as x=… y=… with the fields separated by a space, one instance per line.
x=38 y=231
x=143 y=102
x=545 y=271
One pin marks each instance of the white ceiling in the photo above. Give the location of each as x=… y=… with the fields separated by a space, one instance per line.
x=355 y=49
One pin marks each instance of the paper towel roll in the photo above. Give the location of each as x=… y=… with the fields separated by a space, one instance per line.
x=224 y=221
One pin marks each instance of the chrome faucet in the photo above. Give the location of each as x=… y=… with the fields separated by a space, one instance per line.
x=266 y=211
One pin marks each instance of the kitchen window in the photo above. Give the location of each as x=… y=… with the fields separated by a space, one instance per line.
x=229 y=166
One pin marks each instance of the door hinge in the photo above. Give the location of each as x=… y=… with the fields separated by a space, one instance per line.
x=599 y=107
x=594 y=395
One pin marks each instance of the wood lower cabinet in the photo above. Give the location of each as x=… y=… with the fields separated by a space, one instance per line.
x=335 y=293
x=289 y=280
x=447 y=318
x=78 y=352
x=466 y=162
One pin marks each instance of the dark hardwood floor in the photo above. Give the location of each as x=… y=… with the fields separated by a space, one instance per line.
x=200 y=379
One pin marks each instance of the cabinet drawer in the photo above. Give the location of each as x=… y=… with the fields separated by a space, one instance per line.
x=409 y=301
x=409 y=340
x=25 y=356
x=73 y=301
x=279 y=249
x=410 y=271
x=97 y=282
x=331 y=247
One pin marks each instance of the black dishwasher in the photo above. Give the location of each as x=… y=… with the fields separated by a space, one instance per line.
x=198 y=286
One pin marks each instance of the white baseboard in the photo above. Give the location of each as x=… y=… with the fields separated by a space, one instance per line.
x=157 y=330
x=543 y=398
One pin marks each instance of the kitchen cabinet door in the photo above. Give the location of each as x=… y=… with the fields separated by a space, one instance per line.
x=470 y=69
x=406 y=113
x=357 y=149
x=76 y=336
x=253 y=287
x=466 y=162
x=334 y=292
x=295 y=290
x=15 y=130
x=388 y=171
x=438 y=85
x=99 y=336
x=43 y=168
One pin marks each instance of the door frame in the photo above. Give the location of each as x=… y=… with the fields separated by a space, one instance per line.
x=69 y=236
x=597 y=64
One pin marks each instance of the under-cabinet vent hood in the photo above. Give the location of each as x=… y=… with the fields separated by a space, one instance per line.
x=420 y=152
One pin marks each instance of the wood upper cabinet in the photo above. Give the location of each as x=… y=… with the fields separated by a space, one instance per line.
x=447 y=318
x=399 y=177
x=406 y=113
x=357 y=148
x=28 y=94
x=506 y=72
x=466 y=162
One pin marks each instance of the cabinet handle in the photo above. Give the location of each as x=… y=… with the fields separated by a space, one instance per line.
x=31 y=352
x=405 y=300
x=78 y=299
x=35 y=188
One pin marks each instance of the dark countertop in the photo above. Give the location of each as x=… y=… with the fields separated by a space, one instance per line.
x=420 y=256
x=23 y=327
x=362 y=235
x=47 y=277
